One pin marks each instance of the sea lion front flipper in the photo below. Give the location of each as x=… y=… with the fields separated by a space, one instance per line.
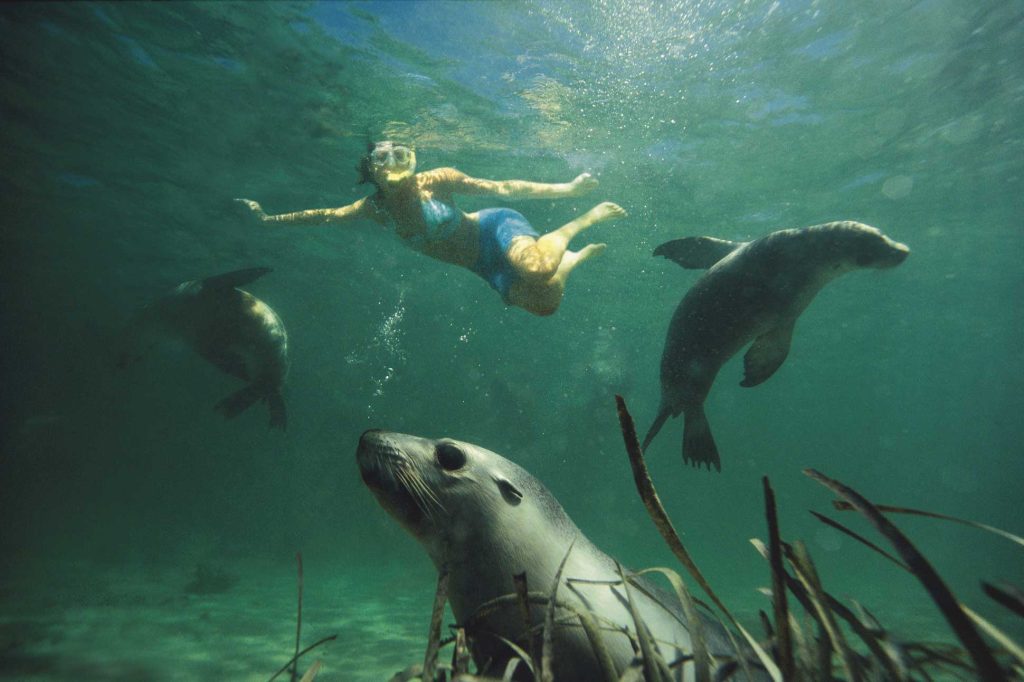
x=697 y=253
x=224 y=359
x=231 y=280
x=767 y=354
x=239 y=401
x=698 y=443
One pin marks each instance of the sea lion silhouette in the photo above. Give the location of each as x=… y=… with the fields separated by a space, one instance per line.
x=232 y=329
x=752 y=291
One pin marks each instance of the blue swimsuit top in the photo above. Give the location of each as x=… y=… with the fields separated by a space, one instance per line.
x=441 y=220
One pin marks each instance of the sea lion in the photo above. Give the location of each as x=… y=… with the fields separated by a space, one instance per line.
x=752 y=291
x=232 y=329
x=483 y=520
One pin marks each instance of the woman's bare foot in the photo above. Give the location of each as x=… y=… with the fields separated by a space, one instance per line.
x=587 y=252
x=573 y=258
x=606 y=210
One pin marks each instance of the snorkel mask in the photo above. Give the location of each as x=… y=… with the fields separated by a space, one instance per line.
x=392 y=162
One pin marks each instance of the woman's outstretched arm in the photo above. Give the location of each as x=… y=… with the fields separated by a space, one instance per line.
x=314 y=216
x=461 y=183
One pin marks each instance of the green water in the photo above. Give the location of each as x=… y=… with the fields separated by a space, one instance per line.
x=127 y=129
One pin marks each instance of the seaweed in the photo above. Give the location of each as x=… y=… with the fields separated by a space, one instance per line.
x=987 y=666
x=1010 y=596
x=645 y=486
x=700 y=657
x=523 y=591
x=293 y=662
x=655 y=668
x=858 y=537
x=460 y=656
x=434 y=637
x=298 y=621
x=784 y=643
x=549 y=621
x=807 y=574
x=596 y=639
x=872 y=636
x=846 y=505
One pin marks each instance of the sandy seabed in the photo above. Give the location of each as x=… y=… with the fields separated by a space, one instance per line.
x=140 y=623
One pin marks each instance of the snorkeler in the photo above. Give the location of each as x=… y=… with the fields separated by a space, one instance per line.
x=528 y=270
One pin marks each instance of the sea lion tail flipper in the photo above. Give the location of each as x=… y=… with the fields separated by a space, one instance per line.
x=767 y=354
x=237 y=278
x=698 y=443
x=278 y=414
x=663 y=414
x=697 y=253
x=239 y=401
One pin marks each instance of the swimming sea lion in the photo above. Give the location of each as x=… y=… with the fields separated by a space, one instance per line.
x=753 y=291
x=483 y=519
x=230 y=328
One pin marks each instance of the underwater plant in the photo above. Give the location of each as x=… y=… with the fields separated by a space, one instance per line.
x=292 y=666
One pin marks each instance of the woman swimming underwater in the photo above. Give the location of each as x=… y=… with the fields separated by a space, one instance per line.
x=527 y=269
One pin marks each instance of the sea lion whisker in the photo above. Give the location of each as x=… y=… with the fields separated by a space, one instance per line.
x=415 y=478
x=398 y=473
x=410 y=483
x=384 y=464
x=427 y=491
x=429 y=495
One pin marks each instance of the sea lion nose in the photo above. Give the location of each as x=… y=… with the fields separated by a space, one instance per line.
x=366 y=452
x=370 y=439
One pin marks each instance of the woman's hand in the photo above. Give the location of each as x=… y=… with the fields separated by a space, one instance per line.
x=583 y=183
x=255 y=207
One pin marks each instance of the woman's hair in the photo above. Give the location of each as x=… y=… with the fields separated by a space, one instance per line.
x=364 y=167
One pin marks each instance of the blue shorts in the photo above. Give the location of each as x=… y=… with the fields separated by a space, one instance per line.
x=498 y=227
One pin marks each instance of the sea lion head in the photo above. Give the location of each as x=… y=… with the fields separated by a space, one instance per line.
x=458 y=499
x=857 y=245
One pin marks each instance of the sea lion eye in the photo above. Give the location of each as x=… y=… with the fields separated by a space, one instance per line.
x=450 y=457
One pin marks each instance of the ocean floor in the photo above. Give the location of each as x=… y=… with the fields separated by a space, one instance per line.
x=147 y=623
x=130 y=623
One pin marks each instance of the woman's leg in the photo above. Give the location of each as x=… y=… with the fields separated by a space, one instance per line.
x=544 y=297
x=556 y=242
x=540 y=258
